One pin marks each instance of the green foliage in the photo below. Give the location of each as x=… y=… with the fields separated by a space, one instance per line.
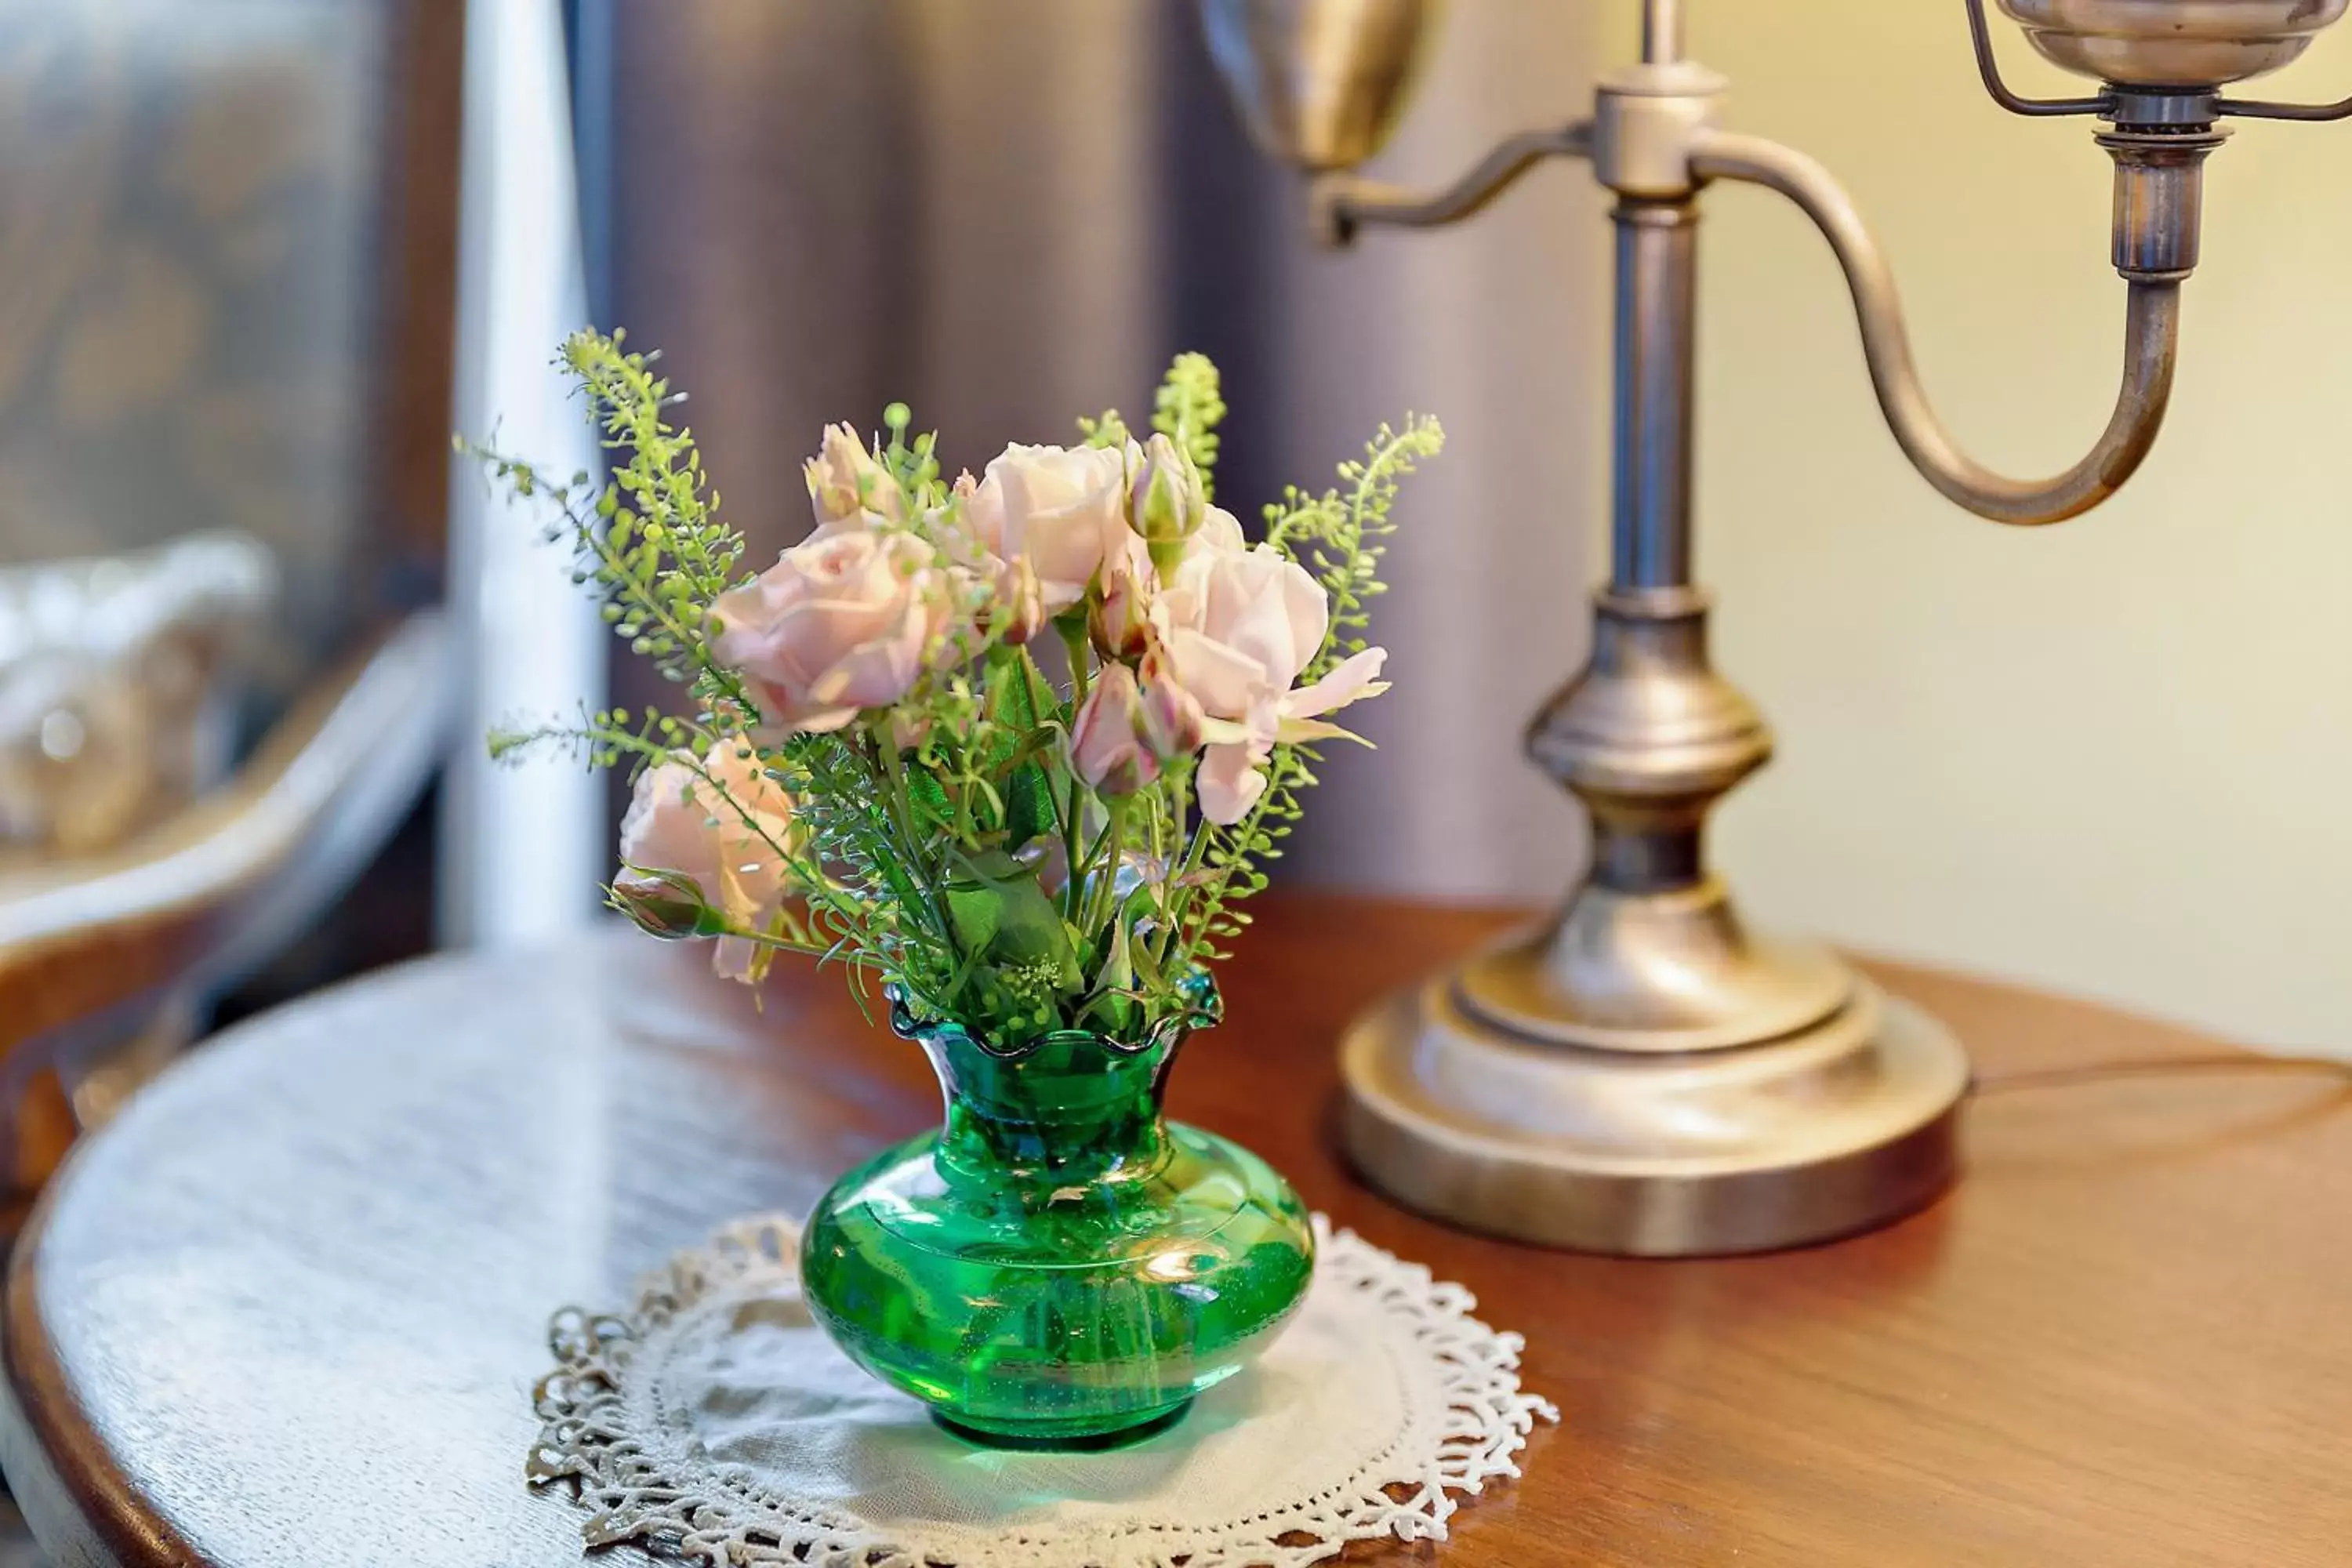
x=1105 y=429
x=1341 y=535
x=1235 y=860
x=651 y=541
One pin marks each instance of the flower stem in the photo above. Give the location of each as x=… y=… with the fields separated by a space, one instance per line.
x=1104 y=877
x=1073 y=631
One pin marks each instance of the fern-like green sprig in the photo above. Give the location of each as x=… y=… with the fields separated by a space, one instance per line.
x=651 y=541
x=1188 y=408
x=1339 y=537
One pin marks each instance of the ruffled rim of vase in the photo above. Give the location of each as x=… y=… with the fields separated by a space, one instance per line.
x=1208 y=1011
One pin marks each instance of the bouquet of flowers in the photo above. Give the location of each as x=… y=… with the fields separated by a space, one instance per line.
x=1017 y=747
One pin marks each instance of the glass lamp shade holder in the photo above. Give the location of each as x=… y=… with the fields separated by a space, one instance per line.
x=1642 y=1074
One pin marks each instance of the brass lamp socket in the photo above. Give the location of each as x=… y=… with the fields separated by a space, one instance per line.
x=2160 y=197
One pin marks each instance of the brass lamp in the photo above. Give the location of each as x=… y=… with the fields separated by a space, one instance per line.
x=1643 y=1074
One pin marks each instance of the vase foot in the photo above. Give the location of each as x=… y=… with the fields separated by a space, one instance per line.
x=1060 y=1437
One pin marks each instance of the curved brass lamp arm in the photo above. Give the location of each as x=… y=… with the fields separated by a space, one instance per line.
x=1344 y=204
x=2151 y=342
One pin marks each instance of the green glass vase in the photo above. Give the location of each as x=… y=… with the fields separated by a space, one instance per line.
x=1058 y=1265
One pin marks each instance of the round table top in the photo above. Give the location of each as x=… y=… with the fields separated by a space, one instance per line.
x=288 y=1309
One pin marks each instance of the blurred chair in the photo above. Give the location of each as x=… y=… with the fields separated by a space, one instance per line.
x=227 y=285
x=111 y=701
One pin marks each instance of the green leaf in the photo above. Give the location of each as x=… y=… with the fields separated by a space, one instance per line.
x=1028 y=805
x=1113 y=1008
x=977 y=909
x=929 y=795
x=1004 y=917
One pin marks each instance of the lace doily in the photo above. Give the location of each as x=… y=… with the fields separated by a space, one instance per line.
x=715 y=1422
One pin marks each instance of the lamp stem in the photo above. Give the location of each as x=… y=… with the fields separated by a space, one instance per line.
x=1662 y=32
x=1649 y=736
x=1657 y=264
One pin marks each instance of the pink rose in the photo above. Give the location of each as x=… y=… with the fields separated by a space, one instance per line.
x=723 y=834
x=841 y=623
x=1239 y=625
x=1057 y=508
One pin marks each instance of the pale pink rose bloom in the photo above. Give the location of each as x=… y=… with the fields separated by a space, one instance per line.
x=992 y=595
x=848 y=487
x=841 y=623
x=1057 y=508
x=726 y=839
x=1239 y=625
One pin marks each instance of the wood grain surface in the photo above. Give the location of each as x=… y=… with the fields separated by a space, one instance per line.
x=286 y=1311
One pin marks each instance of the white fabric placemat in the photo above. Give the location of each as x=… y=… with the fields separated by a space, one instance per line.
x=715 y=1422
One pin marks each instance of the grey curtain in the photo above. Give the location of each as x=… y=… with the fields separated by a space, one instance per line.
x=1008 y=212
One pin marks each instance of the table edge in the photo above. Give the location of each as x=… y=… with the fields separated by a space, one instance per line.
x=74 y=1486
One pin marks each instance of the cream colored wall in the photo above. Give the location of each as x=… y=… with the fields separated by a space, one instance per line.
x=2115 y=757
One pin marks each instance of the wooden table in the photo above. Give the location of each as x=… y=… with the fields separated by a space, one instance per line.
x=288 y=1310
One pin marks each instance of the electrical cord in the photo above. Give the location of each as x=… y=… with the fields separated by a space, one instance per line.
x=2156 y=1067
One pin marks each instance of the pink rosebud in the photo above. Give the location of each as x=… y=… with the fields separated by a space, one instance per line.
x=1108 y=748
x=1120 y=621
x=1171 y=717
x=666 y=904
x=1166 y=501
x=1020 y=606
x=848 y=487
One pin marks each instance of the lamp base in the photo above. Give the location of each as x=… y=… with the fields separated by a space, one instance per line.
x=1837 y=1128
